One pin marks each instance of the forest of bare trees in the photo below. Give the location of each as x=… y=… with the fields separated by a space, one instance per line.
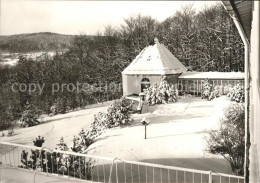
x=202 y=41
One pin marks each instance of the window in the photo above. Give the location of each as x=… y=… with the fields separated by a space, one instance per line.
x=145 y=83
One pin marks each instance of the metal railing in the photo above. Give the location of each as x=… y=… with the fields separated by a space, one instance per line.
x=102 y=169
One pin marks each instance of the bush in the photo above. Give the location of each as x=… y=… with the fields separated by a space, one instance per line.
x=10 y=131
x=83 y=141
x=119 y=113
x=75 y=166
x=39 y=141
x=162 y=94
x=62 y=145
x=80 y=166
x=6 y=123
x=30 y=162
x=236 y=93
x=209 y=92
x=59 y=107
x=229 y=139
x=30 y=116
x=6 y=116
x=207 y=87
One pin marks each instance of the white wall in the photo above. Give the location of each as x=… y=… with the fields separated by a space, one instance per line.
x=132 y=83
x=254 y=112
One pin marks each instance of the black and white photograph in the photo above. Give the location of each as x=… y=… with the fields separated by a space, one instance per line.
x=129 y=91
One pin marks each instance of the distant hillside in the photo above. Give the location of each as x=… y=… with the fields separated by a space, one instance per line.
x=44 y=41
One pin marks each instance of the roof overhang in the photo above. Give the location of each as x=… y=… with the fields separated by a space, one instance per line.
x=155 y=59
x=213 y=75
x=154 y=72
x=242 y=11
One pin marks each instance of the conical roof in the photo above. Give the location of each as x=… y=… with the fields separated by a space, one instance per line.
x=155 y=59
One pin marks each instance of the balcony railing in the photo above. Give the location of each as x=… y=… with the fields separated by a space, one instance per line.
x=78 y=166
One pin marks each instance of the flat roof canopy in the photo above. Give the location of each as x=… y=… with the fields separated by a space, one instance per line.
x=212 y=75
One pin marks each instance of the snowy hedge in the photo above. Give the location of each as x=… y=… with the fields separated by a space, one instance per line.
x=236 y=93
x=161 y=94
x=57 y=163
x=209 y=92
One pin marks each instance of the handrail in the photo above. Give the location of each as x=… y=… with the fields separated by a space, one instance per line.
x=126 y=161
x=228 y=175
x=108 y=158
x=58 y=151
x=166 y=167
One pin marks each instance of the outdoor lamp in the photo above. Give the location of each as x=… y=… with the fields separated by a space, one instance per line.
x=145 y=122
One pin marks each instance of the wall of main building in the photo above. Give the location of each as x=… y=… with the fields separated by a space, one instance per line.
x=254 y=96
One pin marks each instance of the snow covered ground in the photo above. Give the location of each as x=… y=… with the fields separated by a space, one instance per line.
x=53 y=128
x=175 y=135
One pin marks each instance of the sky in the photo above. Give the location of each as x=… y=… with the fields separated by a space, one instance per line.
x=77 y=17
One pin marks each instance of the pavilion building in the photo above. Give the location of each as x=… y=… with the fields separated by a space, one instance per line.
x=153 y=62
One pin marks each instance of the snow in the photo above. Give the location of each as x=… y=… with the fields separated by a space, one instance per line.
x=155 y=59
x=175 y=135
x=62 y=125
x=212 y=75
x=10 y=62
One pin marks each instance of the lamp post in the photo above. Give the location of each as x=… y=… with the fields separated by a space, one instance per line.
x=145 y=122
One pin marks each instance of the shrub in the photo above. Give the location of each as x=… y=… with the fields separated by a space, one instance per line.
x=59 y=163
x=5 y=123
x=39 y=141
x=10 y=131
x=119 y=113
x=207 y=87
x=36 y=157
x=82 y=141
x=62 y=145
x=162 y=94
x=6 y=116
x=228 y=140
x=59 y=106
x=30 y=116
x=79 y=166
x=236 y=93
x=209 y=92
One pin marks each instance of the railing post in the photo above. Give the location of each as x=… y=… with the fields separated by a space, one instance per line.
x=210 y=177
